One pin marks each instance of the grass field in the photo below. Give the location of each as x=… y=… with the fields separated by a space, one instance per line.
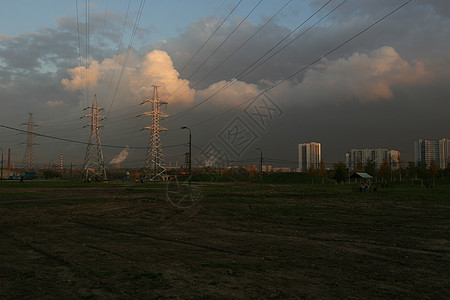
x=67 y=239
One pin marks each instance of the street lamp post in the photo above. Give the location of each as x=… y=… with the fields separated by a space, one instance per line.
x=190 y=153
x=260 y=164
x=1 y=175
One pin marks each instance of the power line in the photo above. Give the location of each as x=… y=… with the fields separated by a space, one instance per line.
x=134 y=31
x=218 y=47
x=197 y=52
x=242 y=45
x=130 y=43
x=307 y=66
x=117 y=56
x=87 y=50
x=243 y=73
x=79 y=48
x=104 y=20
x=210 y=37
x=293 y=40
x=237 y=77
x=204 y=44
x=81 y=142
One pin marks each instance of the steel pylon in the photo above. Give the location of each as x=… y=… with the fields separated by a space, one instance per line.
x=154 y=169
x=94 y=165
x=28 y=157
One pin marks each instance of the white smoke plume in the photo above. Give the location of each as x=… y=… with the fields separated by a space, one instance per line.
x=121 y=157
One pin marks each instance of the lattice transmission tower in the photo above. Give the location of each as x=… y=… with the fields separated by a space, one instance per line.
x=28 y=157
x=154 y=159
x=94 y=165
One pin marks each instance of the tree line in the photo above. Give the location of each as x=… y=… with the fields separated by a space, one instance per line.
x=384 y=172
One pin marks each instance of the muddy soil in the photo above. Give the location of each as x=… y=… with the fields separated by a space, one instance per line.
x=238 y=241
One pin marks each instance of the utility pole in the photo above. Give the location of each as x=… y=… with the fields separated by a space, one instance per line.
x=190 y=154
x=154 y=159
x=260 y=165
x=1 y=175
x=28 y=157
x=94 y=165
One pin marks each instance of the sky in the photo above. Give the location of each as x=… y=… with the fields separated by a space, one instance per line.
x=245 y=76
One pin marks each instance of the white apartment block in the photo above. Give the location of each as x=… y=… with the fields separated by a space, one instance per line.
x=309 y=154
x=355 y=156
x=426 y=151
x=394 y=159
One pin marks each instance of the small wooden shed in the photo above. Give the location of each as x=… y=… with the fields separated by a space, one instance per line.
x=363 y=176
x=363 y=179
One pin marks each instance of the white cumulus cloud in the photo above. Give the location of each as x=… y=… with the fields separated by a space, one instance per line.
x=156 y=68
x=228 y=93
x=362 y=77
x=51 y=103
x=137 y=78
x=82 y=77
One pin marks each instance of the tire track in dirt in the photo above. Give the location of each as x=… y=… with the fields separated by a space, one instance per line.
x=41 y=199
x=110 y=252
x=438 y=253
x=179 y=242
x=77 y=268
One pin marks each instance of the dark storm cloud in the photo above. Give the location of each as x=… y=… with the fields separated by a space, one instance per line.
x=32 y=66
x=410 y=32
x=183 y=47
x=28 y=52
x=34 y=63
x=410 y=48
x=420 y=29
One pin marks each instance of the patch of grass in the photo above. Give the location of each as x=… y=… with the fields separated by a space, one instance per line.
x=295 y=178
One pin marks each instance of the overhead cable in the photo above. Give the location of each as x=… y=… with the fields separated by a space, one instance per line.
x=309 y=65
x=80 y=142
x=237 y=77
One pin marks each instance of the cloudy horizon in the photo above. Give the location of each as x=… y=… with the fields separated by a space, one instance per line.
x=386 y=88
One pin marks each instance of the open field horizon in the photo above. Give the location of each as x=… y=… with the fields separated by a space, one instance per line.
x=65 y=239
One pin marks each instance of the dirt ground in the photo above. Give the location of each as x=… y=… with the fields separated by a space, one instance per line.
x=239 y=241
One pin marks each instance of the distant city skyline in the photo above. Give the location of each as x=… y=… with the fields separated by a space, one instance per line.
x=308 y=154
x=358 y=158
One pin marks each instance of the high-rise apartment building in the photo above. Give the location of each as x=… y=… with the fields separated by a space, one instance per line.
x=355 y=156
x=444 y=153
x=394 y=159
x=426 y=151
x=309 y=154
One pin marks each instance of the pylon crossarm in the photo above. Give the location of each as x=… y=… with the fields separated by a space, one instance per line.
x=154 y=162
x=94 y=165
